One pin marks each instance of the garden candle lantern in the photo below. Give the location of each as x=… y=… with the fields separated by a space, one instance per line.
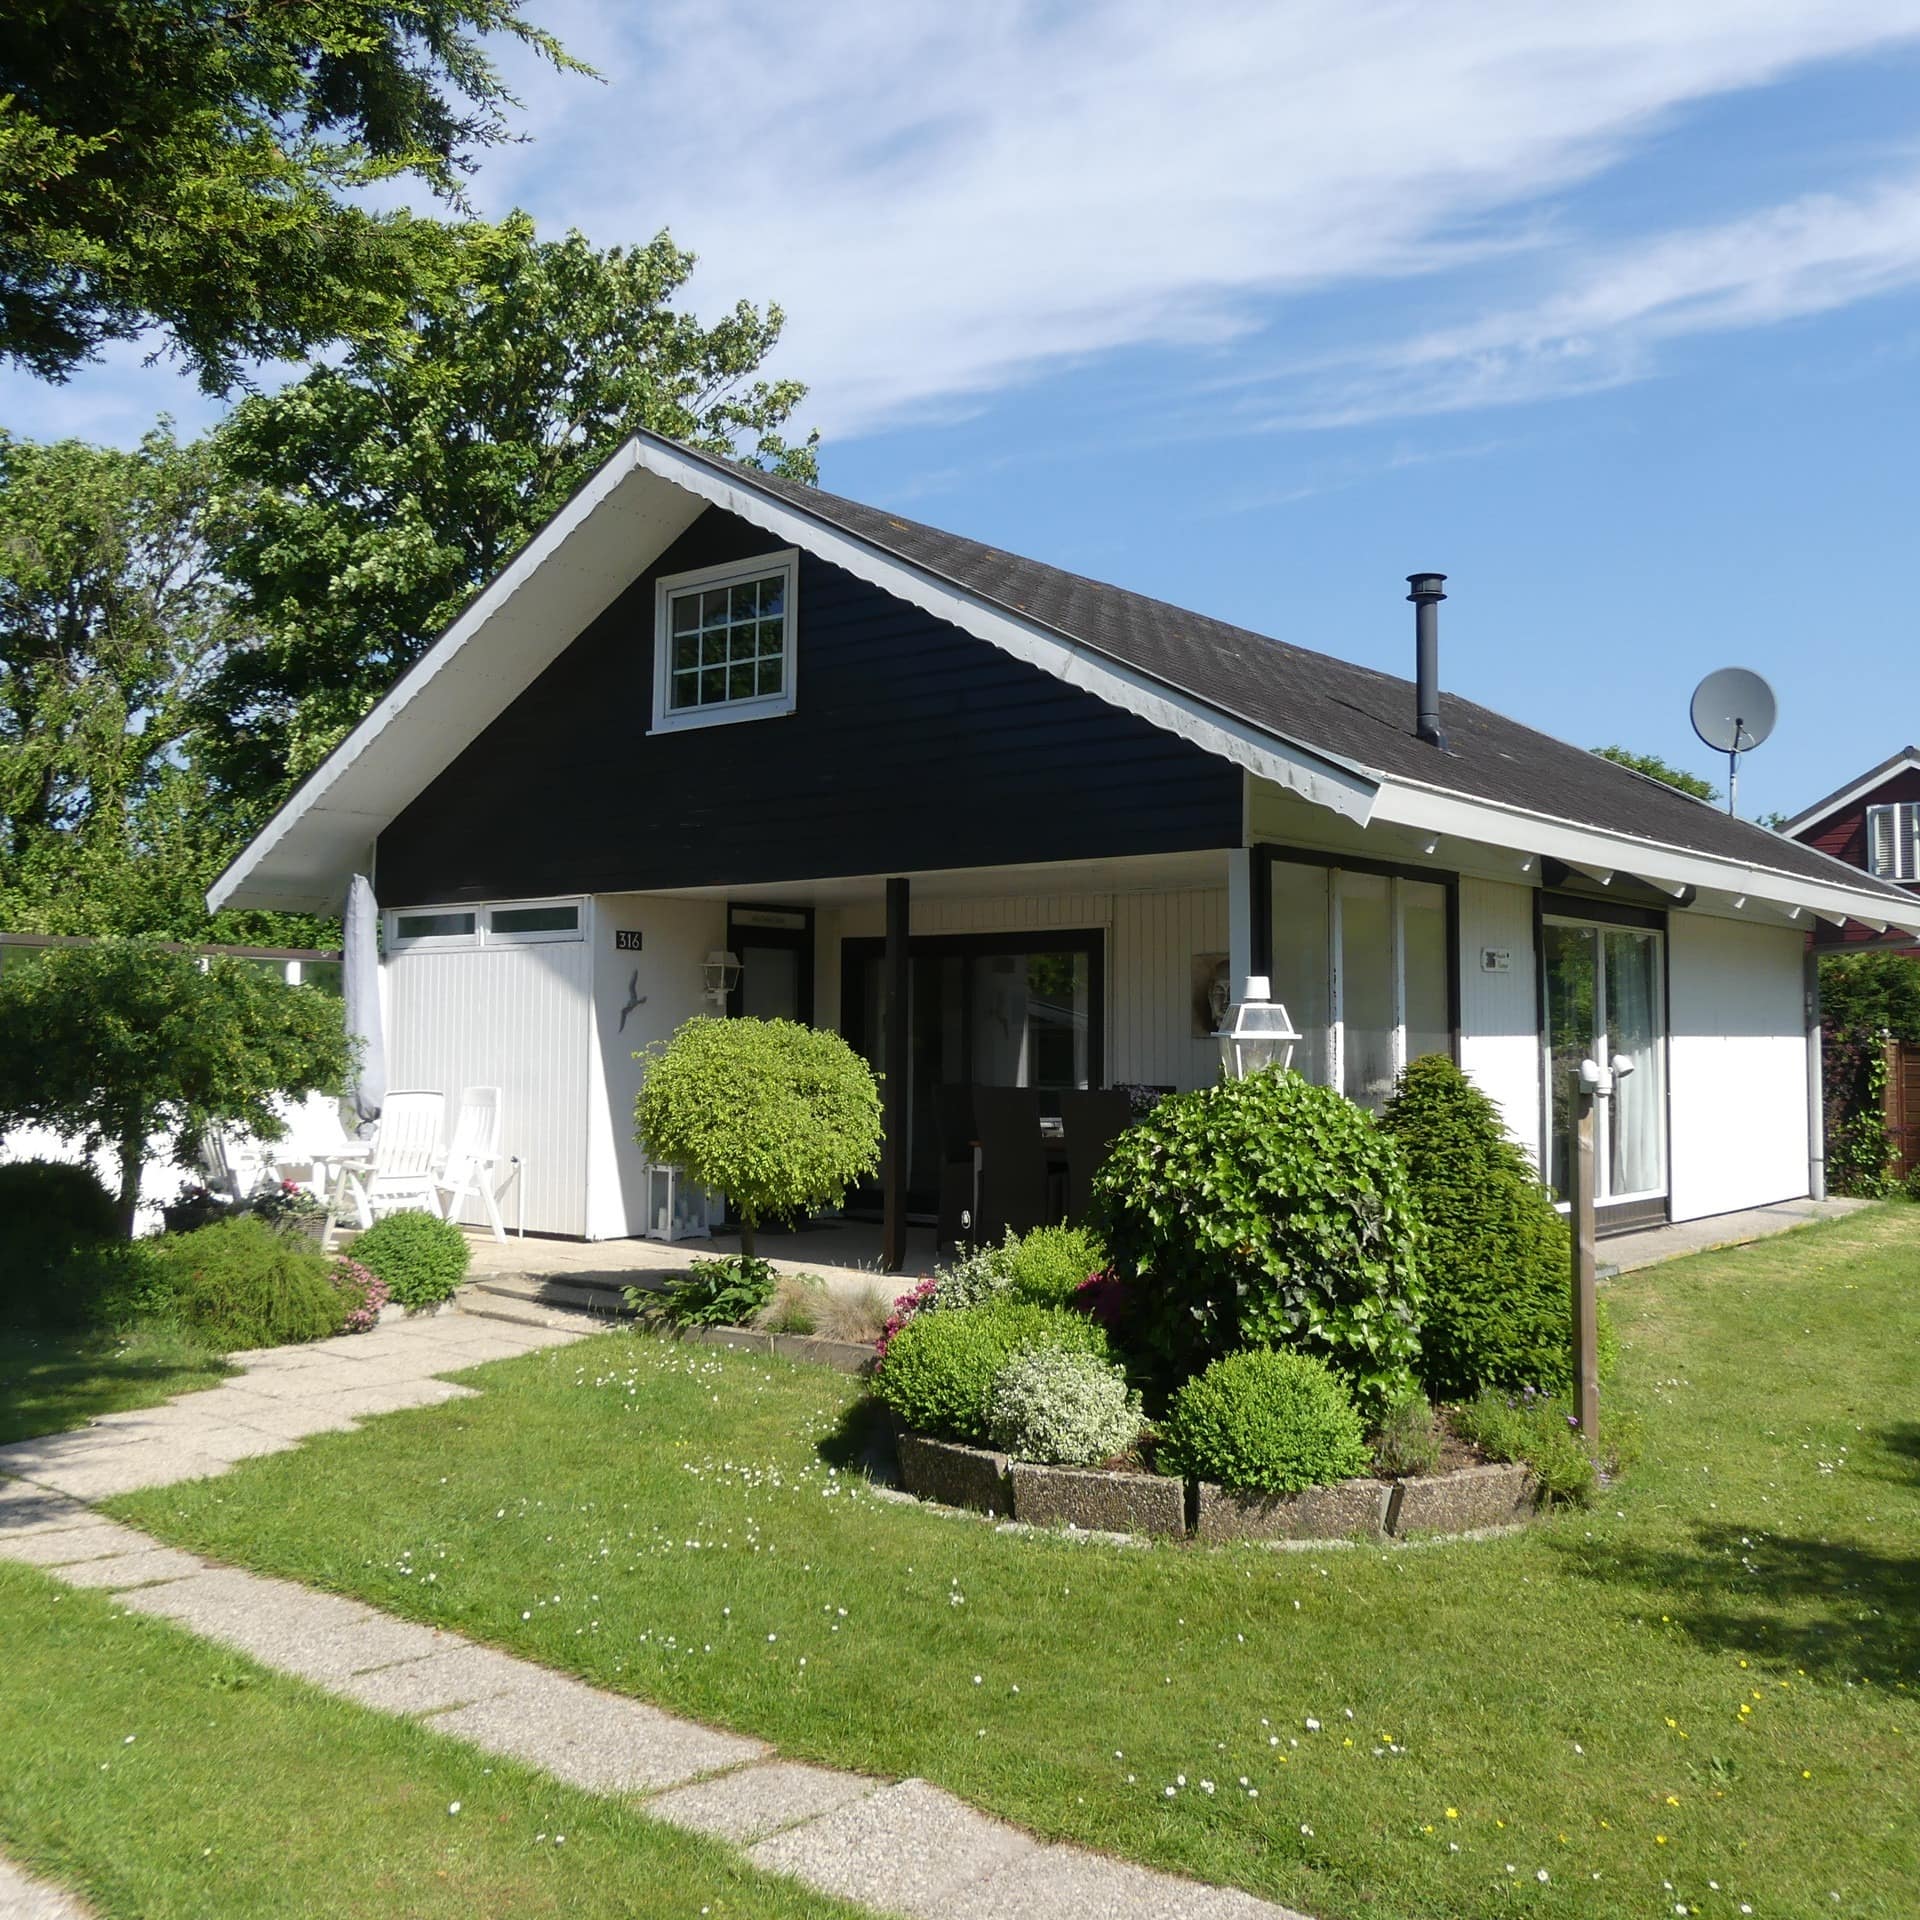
x=1256 y=1033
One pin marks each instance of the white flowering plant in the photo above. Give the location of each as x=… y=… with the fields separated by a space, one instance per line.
x=1062 y=1408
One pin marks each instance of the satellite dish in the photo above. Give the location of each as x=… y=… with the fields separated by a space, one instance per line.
x=1733 y=712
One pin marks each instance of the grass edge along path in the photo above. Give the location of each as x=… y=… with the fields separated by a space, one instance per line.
x=159 y=1776
x=53 y=1382
x=1697 y=1696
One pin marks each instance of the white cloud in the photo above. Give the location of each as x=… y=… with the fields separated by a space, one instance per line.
x=949 y=200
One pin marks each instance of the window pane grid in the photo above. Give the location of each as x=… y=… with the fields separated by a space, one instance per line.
x=728 y=644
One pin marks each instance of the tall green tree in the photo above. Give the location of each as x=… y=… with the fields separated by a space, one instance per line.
x=1657 y=769
x=386 y=489
x=124 y=1039
x=198 y=167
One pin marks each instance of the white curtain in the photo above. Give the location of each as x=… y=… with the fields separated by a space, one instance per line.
x=1633 y=1030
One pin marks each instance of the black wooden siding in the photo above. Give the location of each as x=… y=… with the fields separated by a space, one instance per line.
x=913 y=746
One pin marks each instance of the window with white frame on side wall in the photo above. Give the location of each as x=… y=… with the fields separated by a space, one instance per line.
x=1893 y=840
x=723 y=643
x=511 y=923
x=1363 y=962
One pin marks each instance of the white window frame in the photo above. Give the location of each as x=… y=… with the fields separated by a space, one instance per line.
x=1905 y=836
x=484 y=933
x=730 y=573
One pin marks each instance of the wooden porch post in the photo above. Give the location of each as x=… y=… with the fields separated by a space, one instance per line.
x=893 y=1095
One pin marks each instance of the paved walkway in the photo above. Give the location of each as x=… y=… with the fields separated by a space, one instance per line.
x=24 y=1898
x=902 y=1847
x=1624 y=1252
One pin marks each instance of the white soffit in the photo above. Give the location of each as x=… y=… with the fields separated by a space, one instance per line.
x=599 y=543
x=1594 y=851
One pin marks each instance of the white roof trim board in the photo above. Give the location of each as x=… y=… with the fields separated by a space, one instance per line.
x=640 y=501
x=1825 y=809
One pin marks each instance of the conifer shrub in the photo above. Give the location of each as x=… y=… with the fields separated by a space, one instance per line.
x=1265 y=1212
x=1062 y=1408
x=238 y=1284
x=939 y=1368
x=420 y=1257
x=1264 y=1421
x=1495 y=1255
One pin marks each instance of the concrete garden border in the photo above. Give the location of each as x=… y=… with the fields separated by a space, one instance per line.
x=1467 y=1500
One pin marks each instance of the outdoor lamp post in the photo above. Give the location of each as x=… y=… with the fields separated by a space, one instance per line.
x=718 y=974
x=1256 y=1032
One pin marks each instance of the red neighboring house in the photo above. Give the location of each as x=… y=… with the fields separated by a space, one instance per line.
x=1873 y=823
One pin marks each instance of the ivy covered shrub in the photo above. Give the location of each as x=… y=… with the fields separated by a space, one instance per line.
x=1265 y=1212
x=1049 y=1264
x=1495 y=1255
x=1061 y=1407
x=238 y=1284
x=1265 y=1421
x=939 y=1368
x=421 y=1258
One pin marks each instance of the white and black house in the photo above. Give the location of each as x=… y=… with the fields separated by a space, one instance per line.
x=707 y=709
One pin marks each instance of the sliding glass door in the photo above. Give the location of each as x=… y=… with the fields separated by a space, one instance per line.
x=990 y=1010
x=1604 y=990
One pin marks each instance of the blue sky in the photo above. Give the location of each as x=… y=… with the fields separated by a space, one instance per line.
x=1612 y=314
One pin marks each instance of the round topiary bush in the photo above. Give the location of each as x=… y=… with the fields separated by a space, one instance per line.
x=238 y=1284
x=1267 y=1422
x=939 y=1368
x=1495 y=1255
x=1062 y=1408
x=1265 y=1212
x=422 y=1259
x=1048 y=1264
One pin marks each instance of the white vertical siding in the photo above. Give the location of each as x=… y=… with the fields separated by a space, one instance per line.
x=516 y=1018
x=676 y=936
x=1738 y=1064
x=1499 y=1012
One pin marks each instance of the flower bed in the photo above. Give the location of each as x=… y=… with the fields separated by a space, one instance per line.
x=1463 y=1500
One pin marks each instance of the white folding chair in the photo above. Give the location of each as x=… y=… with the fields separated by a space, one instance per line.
x=316 y=1139
x=399 y=1174
x=237 y=1164
x=472 y=1155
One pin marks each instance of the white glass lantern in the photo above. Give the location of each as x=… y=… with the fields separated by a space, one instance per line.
x=719 y=973
x=676 y=1208
x=1256 y=1032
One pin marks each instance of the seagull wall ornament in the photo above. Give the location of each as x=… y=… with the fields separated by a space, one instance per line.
x=635 y=998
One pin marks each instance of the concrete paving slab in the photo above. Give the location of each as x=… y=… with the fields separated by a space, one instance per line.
x=277 y=1608
x=305 y=1383
x=128 y=1469
x=26 y=1508
x=291 y=1419
x=908 y=1849
x=122 y=1570
x=22 y=1897
x=752 y=1802
x=62 y=1546
x=231 y=1442
x=455 y=1678
x=361 y=1403
x=1090 y=1886
x=594 y=1740
x=333 y=1656
x=32 y=1458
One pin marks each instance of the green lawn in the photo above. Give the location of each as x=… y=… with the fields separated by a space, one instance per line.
x=164 y=1778
x=52 y=1381
x=1696 y=1696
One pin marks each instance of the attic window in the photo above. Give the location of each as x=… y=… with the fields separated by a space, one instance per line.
x=723 y=643
x=1893 y=840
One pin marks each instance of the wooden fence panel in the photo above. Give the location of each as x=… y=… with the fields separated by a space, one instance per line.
x=1903 y=1105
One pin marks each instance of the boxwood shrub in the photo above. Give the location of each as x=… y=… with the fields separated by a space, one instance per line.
x=1266 y=1422
x=1048 y=1264
x=939 y=1368
x=239 y=1284
x=1266 y=1212
x=1061 y=1407
x=1495 y=1255
x=421 y=1258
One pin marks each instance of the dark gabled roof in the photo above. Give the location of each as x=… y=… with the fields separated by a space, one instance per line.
x=1348 y=711
x=1859 y=784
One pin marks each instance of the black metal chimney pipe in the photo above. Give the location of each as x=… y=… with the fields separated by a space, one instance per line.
x=1426 y=597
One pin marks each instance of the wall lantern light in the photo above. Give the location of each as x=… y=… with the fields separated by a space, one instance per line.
x=719 y=974
x=1256 y=1032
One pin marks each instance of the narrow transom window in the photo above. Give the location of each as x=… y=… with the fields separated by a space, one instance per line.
x=445 y=925
x=724 y=643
